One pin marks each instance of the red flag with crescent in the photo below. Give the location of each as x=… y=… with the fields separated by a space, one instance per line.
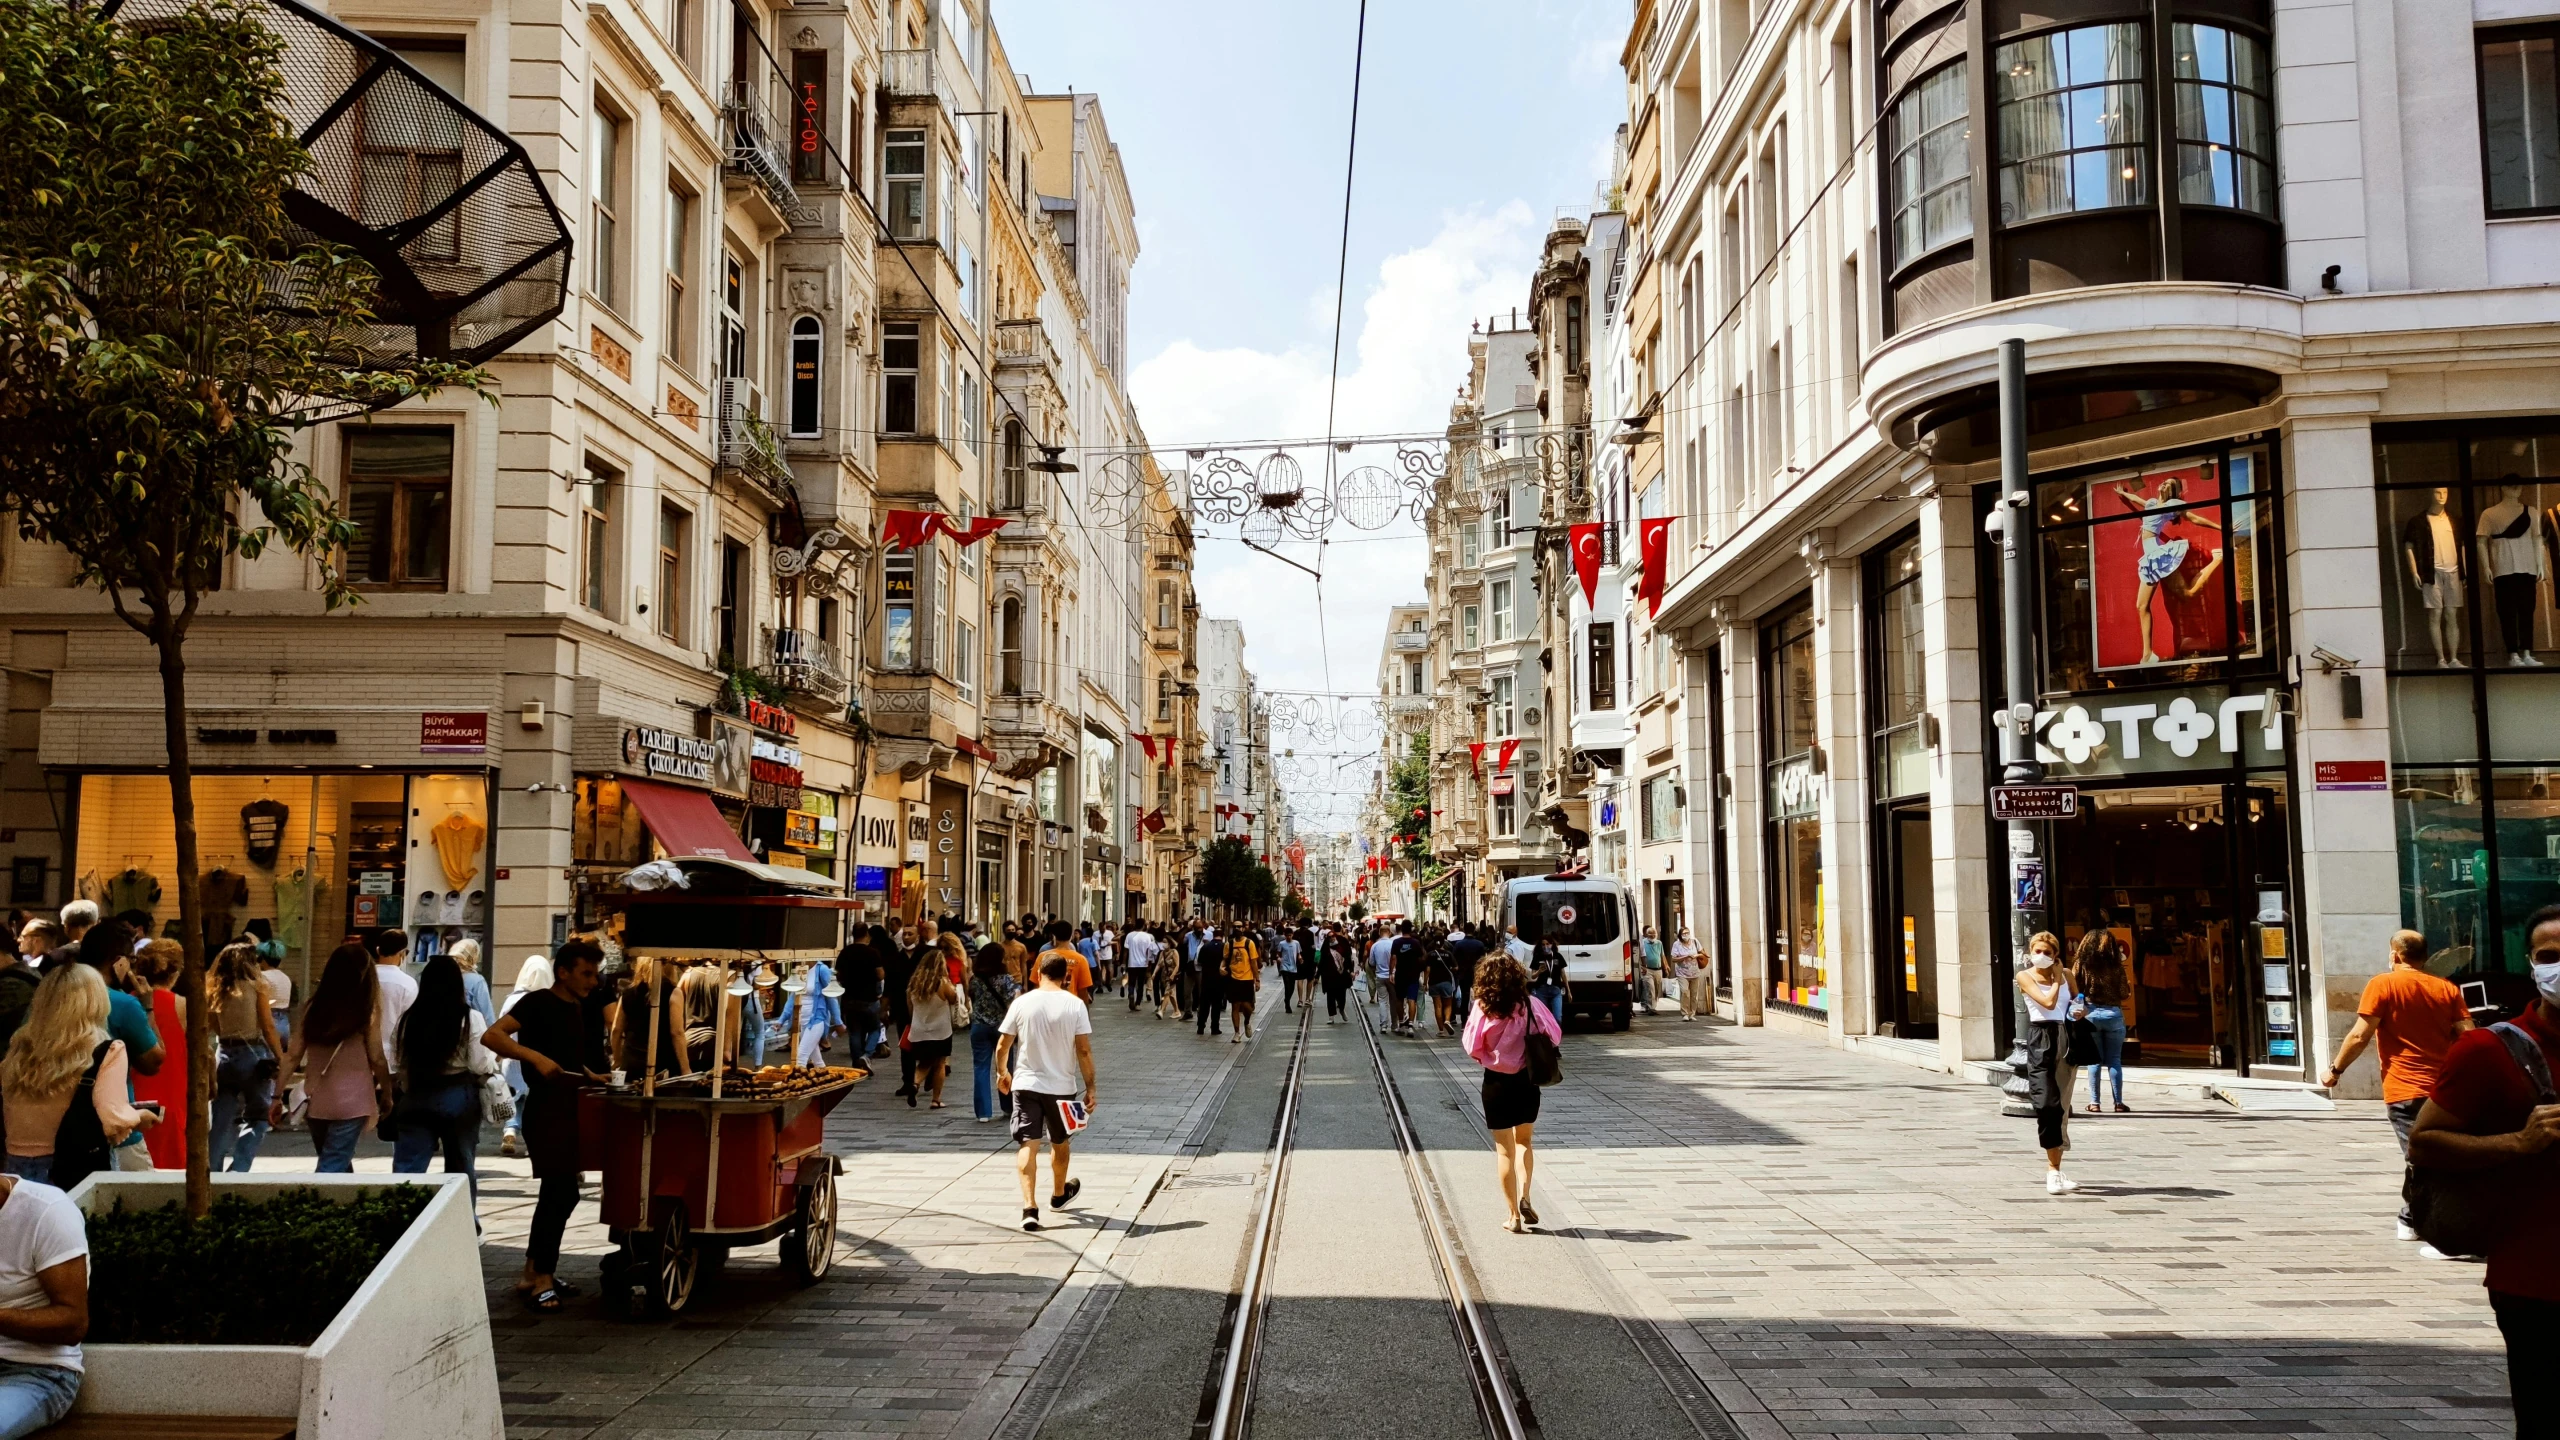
x=1585 y=540
x=1146 y=743
x=1509 y=749
x=1653 y=559
x=1475 y=751
x=906 y=529
x=979 y=529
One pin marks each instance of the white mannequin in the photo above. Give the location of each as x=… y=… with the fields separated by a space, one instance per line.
x=2514 y=562
x=2437 y=575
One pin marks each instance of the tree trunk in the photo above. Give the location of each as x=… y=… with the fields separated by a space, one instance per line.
x=169 y=639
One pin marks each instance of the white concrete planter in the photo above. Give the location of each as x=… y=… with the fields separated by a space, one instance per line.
x=409 y=1356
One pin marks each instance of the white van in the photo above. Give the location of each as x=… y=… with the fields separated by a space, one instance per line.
x=1594 y=922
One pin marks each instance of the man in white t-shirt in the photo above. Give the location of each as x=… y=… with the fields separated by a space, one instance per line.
x=399 y=990
x=1047 y=1036
x=44 y=1304
x=1140 y=948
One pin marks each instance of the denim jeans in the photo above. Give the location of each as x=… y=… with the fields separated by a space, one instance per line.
x=241 y=1095
x=1551 y=996
x=38 y=1168
x=2404 y=1117
x=34 y=1396
x=2108 y=1021
x=983 y=1100
x=336 y=1142
x=446 y=1116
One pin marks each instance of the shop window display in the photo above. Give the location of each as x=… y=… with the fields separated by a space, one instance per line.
x=2155 y=575
x=1799 y=952
x=2469 y=521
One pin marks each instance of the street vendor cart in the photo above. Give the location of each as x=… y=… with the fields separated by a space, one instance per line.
x=700 y=1162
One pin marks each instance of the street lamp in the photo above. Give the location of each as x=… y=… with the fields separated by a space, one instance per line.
x=2029 y=883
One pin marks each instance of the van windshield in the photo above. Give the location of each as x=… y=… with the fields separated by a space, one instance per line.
x=1568 y=917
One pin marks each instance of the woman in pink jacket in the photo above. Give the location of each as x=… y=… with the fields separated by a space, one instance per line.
x=1498 y=1029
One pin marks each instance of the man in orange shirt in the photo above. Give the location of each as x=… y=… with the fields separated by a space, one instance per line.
x=2416 y=1017
x=1079 y=973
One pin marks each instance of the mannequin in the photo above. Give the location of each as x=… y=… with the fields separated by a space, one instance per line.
x=2432 y=559
x=2511 y=555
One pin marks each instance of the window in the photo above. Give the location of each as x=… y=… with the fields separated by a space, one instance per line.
x=1469 y=620
x=2072 y=123
x=827 y=619
x=729 y=618
x=684 y=31
x=412 y=154
x=1164 y=604
x=1900 y=690
x=950 y=392
x=1506 y=814
x=1661 y=807
x=1013 y=480
x=1470 y=547
x=1009 y=641
x=1604 y=665
x=1413 y=682
x=902 y=182
x=678 y=320
x=1799 y=966
x=1929 y=181
x=968 y=553
x=595 y=547
x=2520 y=119
x=1689 y=300
x=673 y=523
x=399 y=491
x=898 y=610
x=733 y=318
x=1573 y=334
x=1499 y=595
x=604 y=204
x=899 y=347
x=2226 y=122
x=1164 y=699
x=964 y=658
x=1498 y=717
x=973 y=410
x=804 y=376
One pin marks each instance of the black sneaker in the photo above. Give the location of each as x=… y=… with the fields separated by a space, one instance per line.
x=1061 y=1200
x=1031 y=1218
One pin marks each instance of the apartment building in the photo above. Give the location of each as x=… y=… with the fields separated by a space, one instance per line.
x=2285 y=280
x=641 y=604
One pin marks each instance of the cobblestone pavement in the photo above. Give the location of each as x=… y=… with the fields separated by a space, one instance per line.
x=1837 y=1244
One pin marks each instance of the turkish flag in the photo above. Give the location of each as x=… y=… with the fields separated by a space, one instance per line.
x=1653 y=559
x=1509 y=749
x=1585 y=540
x=906 y=529
x=1475 y=749
x=979 y=529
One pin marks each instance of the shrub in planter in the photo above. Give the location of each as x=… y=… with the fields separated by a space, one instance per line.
x=269 y=1271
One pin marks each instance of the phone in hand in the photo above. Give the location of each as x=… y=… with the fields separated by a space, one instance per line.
x=152 y=1106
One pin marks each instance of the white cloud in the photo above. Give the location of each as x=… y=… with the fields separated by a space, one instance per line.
x=1401 y=369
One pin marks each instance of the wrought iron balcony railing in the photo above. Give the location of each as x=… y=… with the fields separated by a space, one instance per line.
x=747 y=444
x=756 y=150
x=802 y=662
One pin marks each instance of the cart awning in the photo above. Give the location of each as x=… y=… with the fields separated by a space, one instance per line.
x=685 y=822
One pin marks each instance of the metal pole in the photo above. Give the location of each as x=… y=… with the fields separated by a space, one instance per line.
x=2030 y=882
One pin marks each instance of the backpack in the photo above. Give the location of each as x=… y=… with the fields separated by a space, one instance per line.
x=2472 y=1212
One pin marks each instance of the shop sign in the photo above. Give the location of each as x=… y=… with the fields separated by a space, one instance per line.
x=773 y=774
x=944 y=871
x=2208 y=727
x=666 y=755
x=800 y=830
x=919 y=837
x=453 y=732
x=2034 y=802
x=2350 y=775
x=870 y=879
x=774 y=718
x=1501 y=785
x=248 y=735
x=732 y=756
x=1794 y=789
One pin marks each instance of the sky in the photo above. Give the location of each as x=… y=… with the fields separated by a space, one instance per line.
x=1480 y=122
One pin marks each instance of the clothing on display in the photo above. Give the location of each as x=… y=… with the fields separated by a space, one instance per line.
x=262 y=831
x=294 y=899
x=2512 y=548
x=133 y=889
x=218 y=895
x=457 y=843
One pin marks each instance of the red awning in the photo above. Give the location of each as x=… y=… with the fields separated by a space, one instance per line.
x=685 y=822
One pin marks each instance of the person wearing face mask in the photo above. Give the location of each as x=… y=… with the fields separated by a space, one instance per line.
x=2048 y=993
x=2486 y=1113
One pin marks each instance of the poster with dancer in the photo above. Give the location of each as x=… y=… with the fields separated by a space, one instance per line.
x=2157 y=557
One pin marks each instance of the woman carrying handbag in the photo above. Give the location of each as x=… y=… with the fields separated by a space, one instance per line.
x=1514 y=1038
x=2049 y=1000
x=341 y=1045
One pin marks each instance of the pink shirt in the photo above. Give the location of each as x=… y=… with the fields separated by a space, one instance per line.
x=1503 y=1045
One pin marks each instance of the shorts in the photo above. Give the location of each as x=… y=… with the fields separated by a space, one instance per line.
x=1446 y=991
x=1510 y=1098
x=1411 y=991
x=2444 y=592
x=1036 y=1118
x=924 y=1050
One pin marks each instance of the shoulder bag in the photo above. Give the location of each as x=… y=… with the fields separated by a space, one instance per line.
x=2472 y=1212
x=2080 y=1042
x=1544 y=1060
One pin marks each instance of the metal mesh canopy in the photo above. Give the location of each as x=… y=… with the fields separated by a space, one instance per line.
x=446 y=207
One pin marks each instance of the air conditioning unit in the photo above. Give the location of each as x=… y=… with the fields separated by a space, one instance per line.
x=1532 y=716
x=740 y=401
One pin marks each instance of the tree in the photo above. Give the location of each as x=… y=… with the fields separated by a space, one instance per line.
x=1226 y=872
x=1263 y=891
x=1409 y=800
x=164 y=341
x=1358 y=912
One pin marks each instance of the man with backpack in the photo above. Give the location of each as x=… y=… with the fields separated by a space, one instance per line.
x=1407 y=957
x=2413 y=1017
x=2493 y=1109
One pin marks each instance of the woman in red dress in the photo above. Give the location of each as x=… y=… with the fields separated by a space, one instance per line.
x=159 y=963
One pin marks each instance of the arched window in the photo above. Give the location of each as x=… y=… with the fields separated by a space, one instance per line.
x=1009 y=646
x=804 y=376
x=1010 y=492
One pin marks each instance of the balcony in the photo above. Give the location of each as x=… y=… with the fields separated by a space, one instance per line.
x=803 y=663
x=755 y=152
x=1409 y=640
x=747 y=444
x=915 y=75
x=1025 y=343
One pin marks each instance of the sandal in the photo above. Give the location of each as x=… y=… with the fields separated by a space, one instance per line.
x=936 y=1105
x=545 y=1301
x=1528 y=1213
x=1514 y=1226
x=2093 y=1109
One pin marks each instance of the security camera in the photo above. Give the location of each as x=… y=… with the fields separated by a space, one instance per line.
x=2330 y=660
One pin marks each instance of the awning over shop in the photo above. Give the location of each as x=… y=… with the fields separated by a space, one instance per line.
x=686 y=822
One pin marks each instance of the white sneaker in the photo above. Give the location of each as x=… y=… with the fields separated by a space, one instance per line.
x=2403 y=1230
x=2056 y=1183
x=2429 y=1252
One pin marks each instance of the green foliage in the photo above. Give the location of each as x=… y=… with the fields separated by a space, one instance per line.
x=1226 y=872
x=271 y=1271
x=1290 y=904
x=1359 y=911
x=1263 y=891
x=1409 y=801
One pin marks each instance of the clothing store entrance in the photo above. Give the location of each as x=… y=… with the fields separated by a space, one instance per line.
x=2191 y=879
x=1906 y=948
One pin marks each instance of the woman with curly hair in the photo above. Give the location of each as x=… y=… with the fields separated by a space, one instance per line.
x=934 y=1010
x=1497 y=1036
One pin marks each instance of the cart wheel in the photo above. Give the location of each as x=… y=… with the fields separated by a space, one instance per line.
x=809 y=1251
x=677 y=1264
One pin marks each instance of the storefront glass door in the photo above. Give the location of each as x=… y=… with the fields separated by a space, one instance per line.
x=1907 y=949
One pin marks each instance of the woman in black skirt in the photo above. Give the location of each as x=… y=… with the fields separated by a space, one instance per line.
x=1497 y=1035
